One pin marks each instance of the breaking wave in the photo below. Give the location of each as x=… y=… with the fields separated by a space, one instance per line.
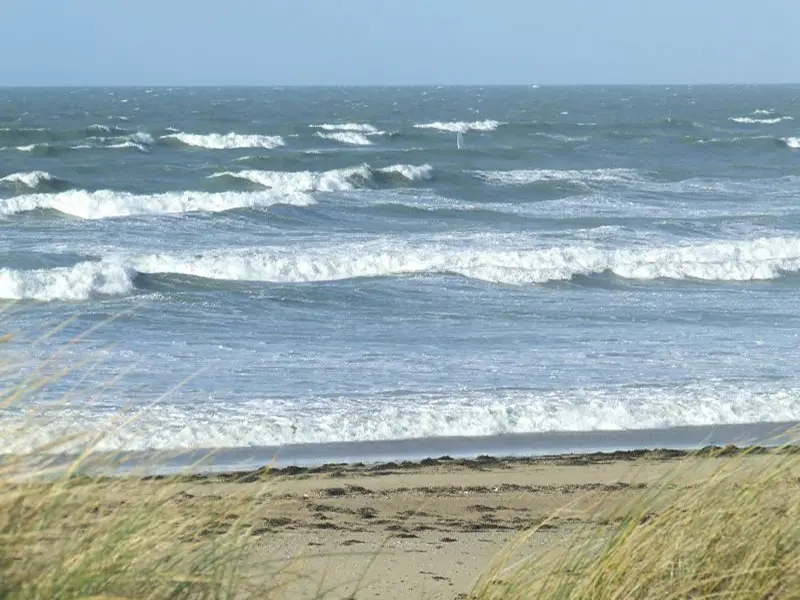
x=79 y=282
x=328 y=181
x=760 y=259
x=139 y=140
x=460 y=126
x=530 y=176
x=227 y=141
x=397 y=416
x=33 y=181
x=364 y=128
x=346 y=137
x=760 y=121
x=103 y=204
x=104 y=129
x=792 y=142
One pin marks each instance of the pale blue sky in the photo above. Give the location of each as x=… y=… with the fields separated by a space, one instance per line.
x=378 y=42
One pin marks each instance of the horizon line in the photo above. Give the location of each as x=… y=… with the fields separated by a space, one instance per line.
x=387 y=85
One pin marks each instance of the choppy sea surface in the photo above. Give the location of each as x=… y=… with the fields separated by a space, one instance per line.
x=232 y=268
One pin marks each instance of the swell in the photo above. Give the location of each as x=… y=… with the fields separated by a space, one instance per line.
x=224 y=141
x=350 y=178
x=104 y=204
x=762 y=259
x=33 y=182
x=264 y=189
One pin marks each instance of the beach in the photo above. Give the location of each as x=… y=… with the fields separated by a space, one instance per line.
x=265 y=315
x=422 y=529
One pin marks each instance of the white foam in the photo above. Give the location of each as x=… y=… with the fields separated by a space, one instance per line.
x=563 y=138
x=792 y=142
x=364 y=128
x=127 y=144
x=461 y=126
x=529 y=176
x=78 y=282
x=30 y=179
x=753 y=120
x=304 y=181
x=106 y=203
x=325 y=181
x=228 y=141
x=346 y=137
x=139 y=140
x=763 y=111
x=142 y=137
x=101 y=128
x=280 y=421
x=760 y=259
x=105 y=130
x=410 y=172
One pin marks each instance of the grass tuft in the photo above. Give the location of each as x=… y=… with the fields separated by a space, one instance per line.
x=736 y=536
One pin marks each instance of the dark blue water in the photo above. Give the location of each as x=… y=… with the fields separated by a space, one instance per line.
x=255 y=267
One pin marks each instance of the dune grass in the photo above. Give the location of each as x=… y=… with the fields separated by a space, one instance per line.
x=67 y=536
x=734 y=536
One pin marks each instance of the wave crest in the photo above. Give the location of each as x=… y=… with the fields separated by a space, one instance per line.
x=460 y=126
x=364 y=128
x=78 y=282
x=29 y=179
x=760 y=121
x=761 y=259
x=334 y=180
x=316 y=420
x=530 y=176
x=103 y=204
x=227 y=141
x=346 y=137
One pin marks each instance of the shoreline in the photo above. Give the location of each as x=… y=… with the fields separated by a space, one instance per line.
x=508 y=446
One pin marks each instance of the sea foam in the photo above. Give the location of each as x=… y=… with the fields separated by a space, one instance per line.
x=280 y=421
x=29 y=179
x=346 y=137
x=760 y=259
x=461 y=126
x=228 y=141
x=760 y=121
x=529 y=176
x=327 y=181
x=78 y=282
x=104 y=204
x=364 y=128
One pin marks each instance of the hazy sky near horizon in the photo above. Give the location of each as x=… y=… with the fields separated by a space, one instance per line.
x=382 y=42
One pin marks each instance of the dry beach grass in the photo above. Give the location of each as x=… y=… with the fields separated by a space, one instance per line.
x=720 y=523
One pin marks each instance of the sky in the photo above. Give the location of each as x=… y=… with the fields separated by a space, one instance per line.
x=393 y=42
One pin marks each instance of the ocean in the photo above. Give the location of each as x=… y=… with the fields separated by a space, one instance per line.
x=237 y=268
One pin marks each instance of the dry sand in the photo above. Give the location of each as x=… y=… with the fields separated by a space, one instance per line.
x=429 y=530
x=412 y=530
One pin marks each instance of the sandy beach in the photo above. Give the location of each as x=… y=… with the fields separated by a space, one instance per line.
x=426 y=529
